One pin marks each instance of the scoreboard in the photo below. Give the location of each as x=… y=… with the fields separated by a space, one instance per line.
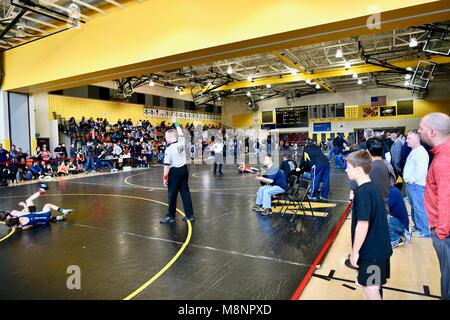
x=326 y=111
x=292 y=117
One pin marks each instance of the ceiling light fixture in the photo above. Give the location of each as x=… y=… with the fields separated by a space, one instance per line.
x=248 y=94
x=317 y=86
x=409 y=69
x=347 y=65
x=339 y=53
x=359 y=81
x=268 y=86
x=230 y=70
x=308 y=81
x=413 y=43
x=177 y=89
x=408 y=76
x=151 y=83
x=249 y=78
x=355 y=76
x=406 y=83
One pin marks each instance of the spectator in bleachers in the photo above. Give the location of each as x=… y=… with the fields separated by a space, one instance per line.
x=36 y=170
x=37 y=156
x=64 y=151
x=89 y=155
x=4 y=154
x=63 y=170
x=72 y=167
x=73 y=151
x=45 y=154
x=13 y=161
x=80 y=160
x=20 y=175
x=48 y=172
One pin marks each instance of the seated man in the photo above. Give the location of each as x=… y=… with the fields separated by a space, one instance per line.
x=275 y=183
x=398 y=218
x=28 y=217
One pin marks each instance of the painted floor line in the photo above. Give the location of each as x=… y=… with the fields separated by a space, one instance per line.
x=232 y=252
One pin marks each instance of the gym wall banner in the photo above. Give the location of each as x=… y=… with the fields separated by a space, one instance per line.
x=326 y=126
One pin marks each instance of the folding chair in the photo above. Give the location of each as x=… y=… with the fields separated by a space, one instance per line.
x=297 y=198
x=292 y=180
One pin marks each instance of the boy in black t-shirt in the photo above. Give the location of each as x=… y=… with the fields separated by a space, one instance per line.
x=371 y=247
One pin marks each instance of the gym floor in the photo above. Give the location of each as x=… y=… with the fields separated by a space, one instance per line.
x=115 y=237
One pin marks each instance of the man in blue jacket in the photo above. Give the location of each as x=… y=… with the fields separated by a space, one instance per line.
x=314 y=158
x=274 y=183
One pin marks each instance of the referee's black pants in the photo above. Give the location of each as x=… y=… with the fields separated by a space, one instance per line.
x=178 y=182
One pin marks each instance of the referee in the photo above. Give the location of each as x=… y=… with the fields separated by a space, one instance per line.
x=176 y=174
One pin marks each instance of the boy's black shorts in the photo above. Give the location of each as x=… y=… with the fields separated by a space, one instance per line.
x=373 y=272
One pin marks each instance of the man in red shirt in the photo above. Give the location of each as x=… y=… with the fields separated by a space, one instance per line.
x=435 y=131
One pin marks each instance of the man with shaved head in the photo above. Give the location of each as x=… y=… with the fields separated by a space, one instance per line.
x=435 y=131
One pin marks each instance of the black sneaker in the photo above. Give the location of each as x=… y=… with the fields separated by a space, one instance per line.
x=266 y=212
x=257 y=208
x=166 y=220
x=191 y=219
x=221 y=174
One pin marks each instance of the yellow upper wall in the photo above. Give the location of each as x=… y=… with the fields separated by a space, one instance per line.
x=68 y=107
x=242 y=120
x=157 y=35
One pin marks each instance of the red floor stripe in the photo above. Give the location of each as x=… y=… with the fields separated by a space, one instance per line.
x=311 y=270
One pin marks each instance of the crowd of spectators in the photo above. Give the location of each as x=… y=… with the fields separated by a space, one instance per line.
x=100 y=146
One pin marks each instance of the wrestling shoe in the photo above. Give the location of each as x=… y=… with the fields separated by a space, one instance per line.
x=65 y=212
x=43 y=187
x=266 y=212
